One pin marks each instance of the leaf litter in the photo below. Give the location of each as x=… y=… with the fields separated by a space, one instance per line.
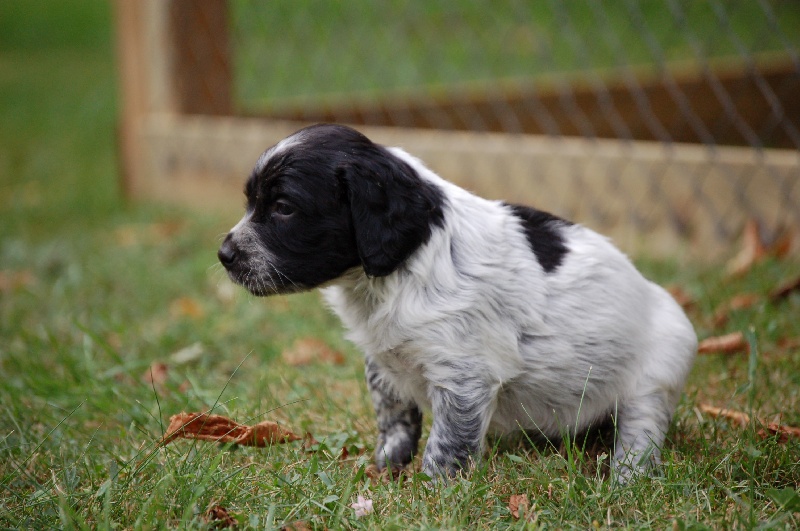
x=221 y=429
x=742 y=419
x=727 y=344
x=756 y=247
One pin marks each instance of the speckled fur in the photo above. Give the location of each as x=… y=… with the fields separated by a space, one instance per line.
x=474 y=329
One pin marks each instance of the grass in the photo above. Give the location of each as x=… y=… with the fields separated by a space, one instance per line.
x=94 y=291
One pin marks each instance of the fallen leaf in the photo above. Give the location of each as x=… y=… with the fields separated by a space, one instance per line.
x=737 y=417
x=14 y=280
x=221 y=429
x=297 y=525
x=755 y=247
x=741 y=418
x=789 y=343
x=744 y=300
x=309 y=441
x=785 y=289
x=156 y=374
x=727 y=344
x=783 y=432
x=752 y=250
x=738 y=302
x=308 y=350
x=781 y=245
x=219 y=517
x=681 y=296
x=518 y=505
x=186 y=307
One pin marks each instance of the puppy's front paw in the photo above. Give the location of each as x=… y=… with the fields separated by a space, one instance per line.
x=628 y=466
x=441 y=462
x=395 y=449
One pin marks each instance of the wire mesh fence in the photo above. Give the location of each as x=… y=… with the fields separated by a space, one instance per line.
x=722 y=76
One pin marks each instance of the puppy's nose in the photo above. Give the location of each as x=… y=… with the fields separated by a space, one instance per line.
x=227 y=254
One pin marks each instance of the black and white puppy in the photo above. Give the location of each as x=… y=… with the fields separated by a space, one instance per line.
x=494 y=317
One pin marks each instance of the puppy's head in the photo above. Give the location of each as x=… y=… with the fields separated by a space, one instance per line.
x=321 y=202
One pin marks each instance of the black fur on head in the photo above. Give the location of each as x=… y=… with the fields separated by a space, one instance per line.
x=323 y=201
x=393 y=210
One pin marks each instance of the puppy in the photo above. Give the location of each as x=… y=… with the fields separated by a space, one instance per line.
x=492 y=316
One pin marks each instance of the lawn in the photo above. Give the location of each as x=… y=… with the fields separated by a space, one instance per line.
x=115 y=316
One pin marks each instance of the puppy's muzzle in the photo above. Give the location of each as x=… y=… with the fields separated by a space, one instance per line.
x=228 y=254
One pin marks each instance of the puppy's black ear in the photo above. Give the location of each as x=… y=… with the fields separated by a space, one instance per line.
x=393 y=210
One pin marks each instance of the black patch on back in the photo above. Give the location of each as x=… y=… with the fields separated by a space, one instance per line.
x=543 y=231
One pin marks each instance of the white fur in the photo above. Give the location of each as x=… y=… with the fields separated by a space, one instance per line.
x=553 y=352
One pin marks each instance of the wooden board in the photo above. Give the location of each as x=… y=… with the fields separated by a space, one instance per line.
x=725 y=103
x=651 y=198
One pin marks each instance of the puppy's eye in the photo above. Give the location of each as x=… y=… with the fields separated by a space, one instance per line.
x=283 y=209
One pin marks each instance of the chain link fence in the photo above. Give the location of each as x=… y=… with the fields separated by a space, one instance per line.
x=634 y=92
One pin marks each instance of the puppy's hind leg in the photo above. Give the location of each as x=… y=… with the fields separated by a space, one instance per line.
x=642 y=423
x=399 y=423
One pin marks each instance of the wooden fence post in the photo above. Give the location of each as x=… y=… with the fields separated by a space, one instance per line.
x=201 y=56
x=173 y=59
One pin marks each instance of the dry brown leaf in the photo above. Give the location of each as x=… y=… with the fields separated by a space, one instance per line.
x=781 y=245
x=14 y=280
x=752 y=250
x=218 y=428
x=219 y=517
x=789 y=343
x=186 y=307
x=743 y=301
x=743 y=419
x=727 y=344
x=156 y=374
x=681 y=296
x=737 y=417
x=782 y=431
x=755 y=248
x=297 y=525
x=738 y=302
x=308 y=350
x=309 y=441
x=785 y=289
x=518 y=505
